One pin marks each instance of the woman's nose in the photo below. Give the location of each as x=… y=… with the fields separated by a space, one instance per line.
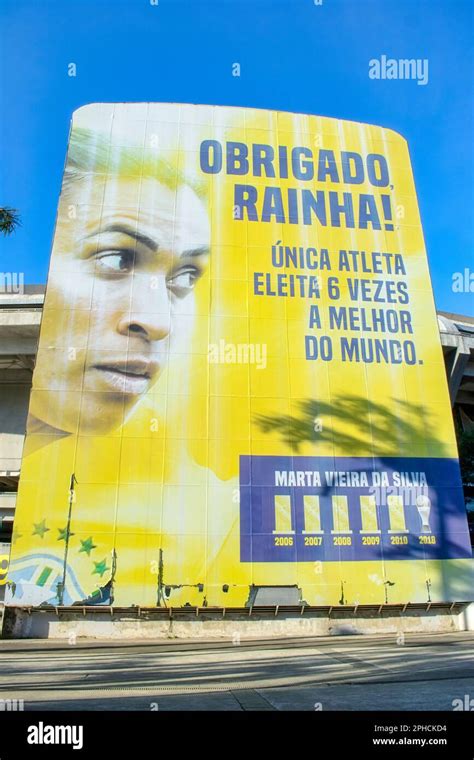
x=150 y=314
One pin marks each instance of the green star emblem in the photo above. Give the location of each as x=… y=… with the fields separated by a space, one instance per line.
x=64 y=534
x=40 y=529
x=87 y=546
x=100 y=567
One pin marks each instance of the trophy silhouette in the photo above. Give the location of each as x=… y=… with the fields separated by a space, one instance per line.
x=423 y=505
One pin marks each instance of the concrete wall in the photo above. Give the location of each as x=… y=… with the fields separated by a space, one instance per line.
x=18 y=623
x=20 y=317
x=14 y=399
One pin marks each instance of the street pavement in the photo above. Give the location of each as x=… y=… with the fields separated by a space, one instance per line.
x=414 y=672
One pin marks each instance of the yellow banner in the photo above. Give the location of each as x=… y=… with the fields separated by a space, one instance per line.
x=239 y=381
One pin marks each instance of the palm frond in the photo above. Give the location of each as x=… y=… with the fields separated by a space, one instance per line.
x=9 y=220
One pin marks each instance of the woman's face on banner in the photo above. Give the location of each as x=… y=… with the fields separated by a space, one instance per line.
x=120 y=272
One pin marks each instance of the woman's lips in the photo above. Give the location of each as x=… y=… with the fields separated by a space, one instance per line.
x=132 y=376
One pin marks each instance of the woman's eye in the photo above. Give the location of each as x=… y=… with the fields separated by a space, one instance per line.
x=183 y=280
x=115 y=261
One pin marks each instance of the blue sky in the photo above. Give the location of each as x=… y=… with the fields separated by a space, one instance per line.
x=294 y=56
